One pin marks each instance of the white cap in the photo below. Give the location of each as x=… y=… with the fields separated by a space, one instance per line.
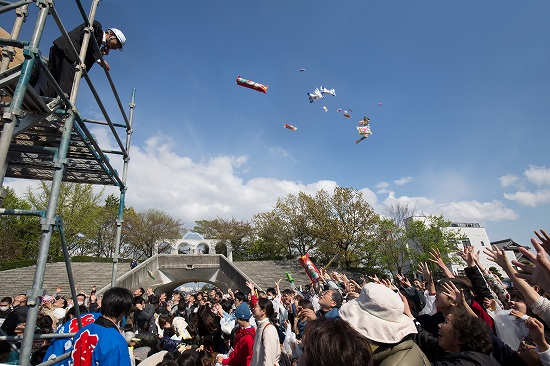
x=119 y=35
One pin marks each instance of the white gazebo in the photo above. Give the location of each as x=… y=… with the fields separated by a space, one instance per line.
x=193 y=241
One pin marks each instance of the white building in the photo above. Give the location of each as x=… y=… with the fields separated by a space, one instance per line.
x=474 y=236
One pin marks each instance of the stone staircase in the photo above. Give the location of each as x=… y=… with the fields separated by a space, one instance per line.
x=85 y=275
x=16 y=281
x=265 y=273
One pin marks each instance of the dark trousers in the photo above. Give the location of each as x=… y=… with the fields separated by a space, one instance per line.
x=62 y=70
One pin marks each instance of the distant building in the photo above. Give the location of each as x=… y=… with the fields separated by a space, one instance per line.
x=475 y=236
x=512 y=246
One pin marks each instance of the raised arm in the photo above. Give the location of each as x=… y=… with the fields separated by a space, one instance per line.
x=436 y=258
x=499 y=257
x=425 y=271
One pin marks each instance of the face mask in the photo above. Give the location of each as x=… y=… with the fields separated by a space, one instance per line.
x=80 y=303
x=4 y=308
x=270 y=297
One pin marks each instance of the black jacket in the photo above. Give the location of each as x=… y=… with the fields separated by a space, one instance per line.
x=76 y=36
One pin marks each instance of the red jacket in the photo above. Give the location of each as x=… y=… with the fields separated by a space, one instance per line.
x=242 y=352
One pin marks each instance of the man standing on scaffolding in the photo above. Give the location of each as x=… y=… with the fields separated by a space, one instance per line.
x=62 y=62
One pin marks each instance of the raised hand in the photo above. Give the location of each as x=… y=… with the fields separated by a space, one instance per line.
x=307 y=314
x=354 y=286
x=540 y=274
x=449 y=289
x=499 y=257
x=389 y=284
x=424 y=271
x=544 y=240
x=375 y=279
x=518 y=314
x=536 y=332
x=475 y=255
x=403 y=280
x=469 y=256
x=490 y=304
x=435 y=257
x=250 y=286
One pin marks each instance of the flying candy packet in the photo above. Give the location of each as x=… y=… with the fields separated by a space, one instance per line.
x=328 y=91
x=364 y=122
x=315 y=95
x=364 y=130
x=252 y=84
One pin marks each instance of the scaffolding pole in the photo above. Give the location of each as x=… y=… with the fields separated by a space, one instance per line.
x=72 y=123
x=120 y=218
x=8 y=52
x=12 y=115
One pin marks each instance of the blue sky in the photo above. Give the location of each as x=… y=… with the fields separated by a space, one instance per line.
x=462 y=129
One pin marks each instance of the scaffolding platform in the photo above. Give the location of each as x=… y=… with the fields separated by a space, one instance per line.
x=36 y=139
x=47 y=139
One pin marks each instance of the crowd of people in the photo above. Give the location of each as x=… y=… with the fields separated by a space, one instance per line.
x=475 y=319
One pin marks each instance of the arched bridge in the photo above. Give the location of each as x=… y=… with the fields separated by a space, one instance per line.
x=172 y=270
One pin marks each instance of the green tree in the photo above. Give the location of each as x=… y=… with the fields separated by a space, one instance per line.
x=143 y=230
x=271 y=234
x=239 y=233
x=345 y=224
x=78 y=205
x=19 y=235
x=427 y=233
x=102 y=244
x=289 y=225
x=394 y=254
x=394 y=251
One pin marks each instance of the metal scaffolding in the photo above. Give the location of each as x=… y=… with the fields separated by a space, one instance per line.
x=47 y=138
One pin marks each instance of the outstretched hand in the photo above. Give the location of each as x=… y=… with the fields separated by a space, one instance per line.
x=389 y=284
x=544 y=240
x=250 y=286
x=540 y=274
x=536 y=332
x=403 y=280
x=375 y=279
x=424 y=271
x=498 y=256
x=435 y=257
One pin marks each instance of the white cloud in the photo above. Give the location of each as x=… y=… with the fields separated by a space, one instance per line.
x=369 y=196
x=456 y=211
x=539 y=176
x=417 y=202
x=190 y=190
x=194 y=190
x=477 y=211
x=402 y=181
x=508 y=180
x=532 y=199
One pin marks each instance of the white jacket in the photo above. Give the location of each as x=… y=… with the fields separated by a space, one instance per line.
x=267 y=349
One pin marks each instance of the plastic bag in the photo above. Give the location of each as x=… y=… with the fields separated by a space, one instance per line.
x=510 y=329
